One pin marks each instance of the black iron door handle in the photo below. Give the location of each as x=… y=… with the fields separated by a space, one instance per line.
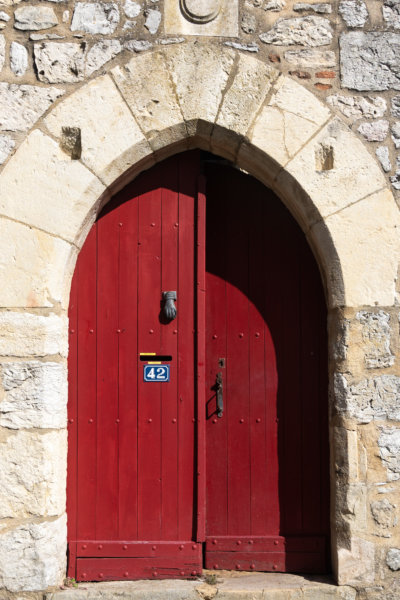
x=219 y=388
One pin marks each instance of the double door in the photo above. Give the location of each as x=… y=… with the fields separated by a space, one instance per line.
x=197 y=390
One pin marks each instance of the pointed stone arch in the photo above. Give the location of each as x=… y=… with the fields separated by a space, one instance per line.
x=159 y=103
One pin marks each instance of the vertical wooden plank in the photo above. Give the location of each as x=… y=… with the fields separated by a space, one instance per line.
x=170 y=333
x=72 y=463
x=149 y=394
x=107 y=376
x=216 y=328
x=188 y=171
x=201 y=358
x=127 y=363
x=238 y=362
x=87 y=388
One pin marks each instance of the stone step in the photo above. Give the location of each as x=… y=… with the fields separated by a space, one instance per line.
x=225 y=585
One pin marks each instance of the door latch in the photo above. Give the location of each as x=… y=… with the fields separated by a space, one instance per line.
x=219 y=388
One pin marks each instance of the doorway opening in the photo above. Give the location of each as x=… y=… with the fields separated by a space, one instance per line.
x=198 y=383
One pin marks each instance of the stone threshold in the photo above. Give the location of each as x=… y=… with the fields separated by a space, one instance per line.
x=225 y=585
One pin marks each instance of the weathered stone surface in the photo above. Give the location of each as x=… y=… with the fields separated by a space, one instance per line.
x=319 y=8
x=60 y=62
x=382 y=152
x=132 y=9
x=22 y=105
x=391 y=13
x=138 y=45
x=34 y=17
x=95 y=17
x=245 y=47
x=36 y=263
x=357 y=565
x=274 y=5
x=100 y=53
x=4 y=16
x=374 y=132
x=389 y=447
x=2 y=50
x=37 y=37
x=356 y=107
x=304 y=31
x=34 y=395
x=393 y=559
x=370 y=61
x=32 y=483
x=149 y=92
x=376 y=339
x=384 y=513
x=354 y=12
x=18 y=59
x=33 y=556
x=153 y=20
x=395 y=129
x=396 y=106
x=7 y=144
x=58 y=208
x=395 y=179
x=26 y=334
x=101 y=114
x=248 y=23
x=377 y=398
x=310 y=58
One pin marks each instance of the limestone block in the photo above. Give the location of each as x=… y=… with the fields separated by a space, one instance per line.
x=365 y=238
x=357 y=565
x=389 y=448
x=311 y=58
x=376 y=338
x=2 y=51
x=36 y=266
x=396 y=134
x=25 y=334
x=18 y=59
x=382 y=153
x=246 y=47
x=95 y=17
x=395 y=102
x=302 y=31
x=32 y=474
x=346 y=450
x=319 y=8
x=347 y=175
x=58 y=203
x=393 y=559
x=34 y=395
x=356 y=107
x=391 y=13
x=153 y=20
x=371 y=399
x=374 y=132
x=22 y=105
x=148 y=90
x=370 y=61
x=33 y=555
x=111 y=139
x=33 y=18
x=354 y=12
x=242 y=100
x=210 y=71
x=352 y=505
x=100 y=53
x=138 y=45
x=282 y=127
x=132 y=9
x=202 y=17
x=7 y=144
x=384 y=513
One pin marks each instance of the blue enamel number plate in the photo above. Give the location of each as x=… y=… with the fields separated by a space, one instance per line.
x=154 y=373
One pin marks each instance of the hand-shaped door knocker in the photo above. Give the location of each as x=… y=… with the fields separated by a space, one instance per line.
x=169 y=308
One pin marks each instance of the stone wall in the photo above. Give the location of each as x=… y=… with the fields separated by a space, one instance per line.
x=331 y=173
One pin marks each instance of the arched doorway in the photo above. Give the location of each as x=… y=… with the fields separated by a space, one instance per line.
x=140 y=504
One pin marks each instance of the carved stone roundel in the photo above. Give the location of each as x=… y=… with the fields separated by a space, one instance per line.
x=200 y=11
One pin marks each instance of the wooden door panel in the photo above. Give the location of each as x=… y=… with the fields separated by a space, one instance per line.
x=267 y=467
x=132 y=458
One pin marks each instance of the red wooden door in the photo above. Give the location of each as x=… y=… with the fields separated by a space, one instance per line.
x=132 y=476
x=267 y=454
